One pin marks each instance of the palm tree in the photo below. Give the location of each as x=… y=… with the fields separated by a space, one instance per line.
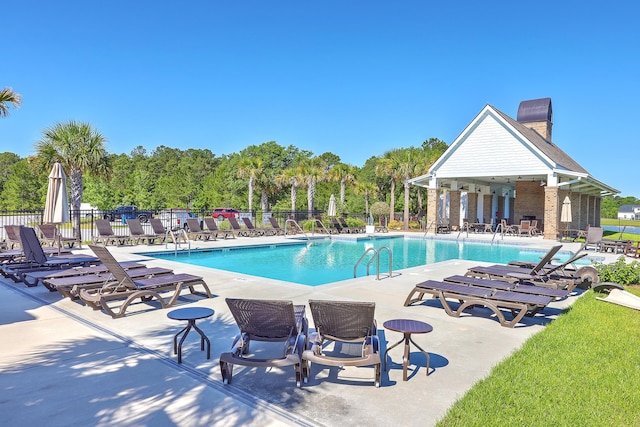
x=313 y=170
x=7 y=95
x=291 y=176
x=407 y=160
x=252 y=168
x=368 y=190
x=388 y=167
x=342 y=173
x=80 y=149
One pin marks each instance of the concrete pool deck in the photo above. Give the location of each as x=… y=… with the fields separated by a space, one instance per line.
x=65 y=364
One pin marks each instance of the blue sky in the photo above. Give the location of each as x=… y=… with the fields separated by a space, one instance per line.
x=353 y=77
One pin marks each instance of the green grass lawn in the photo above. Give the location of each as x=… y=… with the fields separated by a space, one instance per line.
x=582 y=370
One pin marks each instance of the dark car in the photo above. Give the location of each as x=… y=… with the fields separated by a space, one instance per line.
x=222 y=213
x=126 y=212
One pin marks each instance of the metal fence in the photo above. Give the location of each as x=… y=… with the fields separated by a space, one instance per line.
x=171 y=218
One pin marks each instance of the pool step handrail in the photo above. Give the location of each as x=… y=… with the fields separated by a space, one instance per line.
x=465 y=225
x=317 y=221
x=431 y=224
x=498 y=227
x=293 y=221
x=175 y=238
x=375 y=257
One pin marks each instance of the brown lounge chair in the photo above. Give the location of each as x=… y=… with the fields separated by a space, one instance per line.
x=259 y=231
x=347 y=324
x=127 y=290
x=270 y=321
x=137 y=233
x=239 y=231
x=276 y=227
x=508 y=286
x=520 y=304
x=197 y=233
x=106 y=236
x=12 y=239
x=50 y=236
x=213 y=227
x=35 y=259
x=36 y=277
x=344 y=225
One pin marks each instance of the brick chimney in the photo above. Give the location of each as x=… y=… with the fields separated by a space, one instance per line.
x=537 y=114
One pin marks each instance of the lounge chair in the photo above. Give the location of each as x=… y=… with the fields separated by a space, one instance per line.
x=568 y=267
x=239 y=231
x=506 y=228
x=520 y=304
x=508 y=286
x=266 y=321
x=344 y=224
x=137 y=233
x=70 y=286
x=349 y=325
x=261 y=231
x=213 y=227
x=50 y=236
x=276 y=227
x=127 y=290
x=632 y=250
x=197 y=233
x=320 y=227
x=338 y=227
x=593 y=238
x=35 y=277
x=35 y=259
x=293 y=227
x=106 y=236
x=12 y=239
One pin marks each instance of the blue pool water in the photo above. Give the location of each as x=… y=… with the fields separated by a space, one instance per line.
x=327 y=261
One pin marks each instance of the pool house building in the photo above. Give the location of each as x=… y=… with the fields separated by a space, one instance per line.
x=501 y=168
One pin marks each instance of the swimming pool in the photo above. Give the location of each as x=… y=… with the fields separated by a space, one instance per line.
x=326 y=261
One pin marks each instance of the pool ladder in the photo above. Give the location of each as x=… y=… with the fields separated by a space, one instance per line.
x=294 y=222
x=375 y=257
x=176 y=236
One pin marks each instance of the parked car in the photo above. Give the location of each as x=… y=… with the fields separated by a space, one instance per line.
x=222 y=213
x=126 y=212
x=176 y=218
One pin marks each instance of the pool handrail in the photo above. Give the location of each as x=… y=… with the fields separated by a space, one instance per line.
x=297 y=225
x=376 y=257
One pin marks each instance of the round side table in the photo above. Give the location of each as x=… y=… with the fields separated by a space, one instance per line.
x=407 y=327
x=190 y=314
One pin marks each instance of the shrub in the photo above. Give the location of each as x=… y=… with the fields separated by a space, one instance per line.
x=395 y=225
x=355 y=222
x=414 y=224
x=619 y=272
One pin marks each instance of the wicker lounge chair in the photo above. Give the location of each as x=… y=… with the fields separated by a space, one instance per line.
x=158 y=229
x=137 y=233
x=49 y=236
x=197 y=233
x=106 y=236
x=213 y=227
x=260 y=231
x=35 y=259
x=70 y=286
x=270 y=321
x=127 y=290
x=520 y=304
x=348 y=325
x=276 y=227
x=239 y=231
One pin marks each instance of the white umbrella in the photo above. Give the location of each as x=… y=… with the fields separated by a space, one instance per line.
x=332 y=206
x=565 y=214
x=56 y=208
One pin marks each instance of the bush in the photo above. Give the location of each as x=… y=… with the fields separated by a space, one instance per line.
x=619 y=272
x=414 y=224
x=355 y=222
x=395 y=225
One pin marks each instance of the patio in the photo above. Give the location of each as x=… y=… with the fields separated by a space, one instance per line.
x=65 y=364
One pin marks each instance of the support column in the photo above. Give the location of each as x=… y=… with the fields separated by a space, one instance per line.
x=551 y=213
x=472 y=206
x=454 y=208
x=433 y=198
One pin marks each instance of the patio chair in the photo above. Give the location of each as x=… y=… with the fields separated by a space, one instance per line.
x=213 y=227
x=238 y=230
x=106 y=236
x=266 y=321
x=351 y=327
x=276 y=227
x=593 y=238
x=158 y=229
x=506 y=228
x=519 y=304
x=50 y=236
x=36 y=277
x=71 y=286
x=260 y=231
x=35 y=259
x=197 y=233
x=524 y=228
x=137 y=233
x=126 y=290
x=12 y=239
x=507 y=286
